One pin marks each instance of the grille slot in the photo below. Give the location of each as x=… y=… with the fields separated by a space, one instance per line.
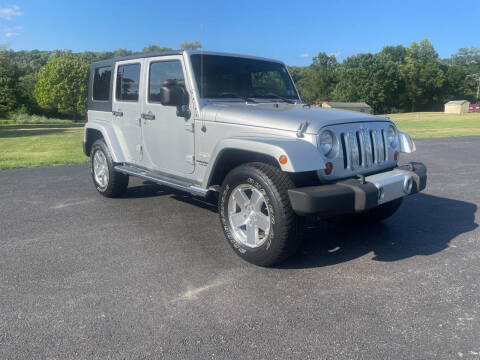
x=379 y=146
x=363 y=148
x=352 y=150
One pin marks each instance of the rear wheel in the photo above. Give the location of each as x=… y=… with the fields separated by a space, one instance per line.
x=256 y=215
x=107 y=181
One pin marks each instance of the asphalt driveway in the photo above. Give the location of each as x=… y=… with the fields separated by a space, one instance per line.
x=151 y=276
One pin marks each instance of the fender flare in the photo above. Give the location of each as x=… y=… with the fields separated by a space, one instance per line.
x=110 y=138
x=302 y=155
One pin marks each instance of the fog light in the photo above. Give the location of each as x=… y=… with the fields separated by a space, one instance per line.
x=407 y=185
x=381 y=193
x=328 y=168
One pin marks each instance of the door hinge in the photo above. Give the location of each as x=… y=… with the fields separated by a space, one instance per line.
x=190 y=127
x=190 y=159
x=139 y=149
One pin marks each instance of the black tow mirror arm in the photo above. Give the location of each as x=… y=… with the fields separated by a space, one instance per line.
x=183 y=111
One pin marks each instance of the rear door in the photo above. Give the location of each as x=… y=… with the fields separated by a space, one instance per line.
x=126 y=107
x=168 y=139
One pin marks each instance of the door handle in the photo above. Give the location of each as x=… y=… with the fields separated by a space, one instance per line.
x=148 y=116
x=117 y=113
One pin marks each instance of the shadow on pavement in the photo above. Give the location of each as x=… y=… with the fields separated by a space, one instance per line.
x=152 y=189
x=424 y=225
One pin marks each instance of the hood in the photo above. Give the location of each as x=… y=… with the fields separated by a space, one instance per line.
x=281 y=115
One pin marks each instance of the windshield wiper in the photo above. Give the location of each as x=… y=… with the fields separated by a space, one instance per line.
x=290 y=101
x=245 y=98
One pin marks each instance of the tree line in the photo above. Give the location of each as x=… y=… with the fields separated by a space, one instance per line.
x=396 y=79
x=54 y=83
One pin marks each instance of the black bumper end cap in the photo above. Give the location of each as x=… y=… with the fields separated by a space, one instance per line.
x=347 y=197
x=328 y=200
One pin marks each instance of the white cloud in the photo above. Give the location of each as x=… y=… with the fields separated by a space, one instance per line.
x=9 y=12
x=304 y=55
x=9 y=32
x=336 y=54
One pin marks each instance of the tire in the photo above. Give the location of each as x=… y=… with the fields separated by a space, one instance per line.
x=375 y=215
x=277 y=229
x=114 y=184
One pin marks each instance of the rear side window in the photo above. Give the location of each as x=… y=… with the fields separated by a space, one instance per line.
x=161 y=71
x=128 y=77
x=101 y=83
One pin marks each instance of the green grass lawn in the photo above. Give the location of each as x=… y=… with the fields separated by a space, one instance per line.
x=23 y=145
x=437 y=124
x=40 y=145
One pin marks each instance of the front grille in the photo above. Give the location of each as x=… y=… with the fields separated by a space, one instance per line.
x=363 y=148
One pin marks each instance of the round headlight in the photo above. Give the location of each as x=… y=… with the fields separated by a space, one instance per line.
x=391 y=136
x=326 y=142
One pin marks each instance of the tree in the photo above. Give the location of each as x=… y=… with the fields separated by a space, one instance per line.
x=468 y=58
x=155 y=48
x=395 y=54
x=122 y=53
x=371 y=78
x=318 y=81
x=423 y=76
x=476 y=78
x=25 y=92
x=194 y=45
x=8 y=83
x=62 y=85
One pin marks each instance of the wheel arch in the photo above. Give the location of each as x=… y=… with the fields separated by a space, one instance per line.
x=95 y=131
x=302 y=156
x=91 y=135
x=230 y=158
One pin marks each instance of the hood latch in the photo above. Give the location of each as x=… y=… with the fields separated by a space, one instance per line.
x=302 y=128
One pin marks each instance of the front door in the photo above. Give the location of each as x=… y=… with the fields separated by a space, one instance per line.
x=168 y=139
x=126 y=107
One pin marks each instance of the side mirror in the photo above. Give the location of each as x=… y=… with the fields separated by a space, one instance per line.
x=406 y=143
x=173 y=94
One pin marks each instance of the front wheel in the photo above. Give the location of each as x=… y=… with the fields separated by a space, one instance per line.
x=256 y=215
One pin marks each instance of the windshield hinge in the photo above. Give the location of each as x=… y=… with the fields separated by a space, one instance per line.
x=302 y=128
x=190 y=126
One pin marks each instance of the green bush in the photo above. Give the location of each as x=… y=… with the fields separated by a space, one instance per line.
x=23 y=118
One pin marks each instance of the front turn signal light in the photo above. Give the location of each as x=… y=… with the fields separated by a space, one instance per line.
x=283 y=159
x=328 y=168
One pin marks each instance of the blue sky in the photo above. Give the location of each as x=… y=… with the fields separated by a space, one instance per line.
x=292 y=31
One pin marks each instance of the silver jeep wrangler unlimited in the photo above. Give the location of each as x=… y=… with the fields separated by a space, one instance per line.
x=210 y=123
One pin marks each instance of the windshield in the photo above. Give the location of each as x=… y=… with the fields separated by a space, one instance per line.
x=232 y=77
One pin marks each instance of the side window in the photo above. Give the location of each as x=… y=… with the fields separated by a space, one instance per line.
x=101 y=83
x=161 y=71
x=128 y=77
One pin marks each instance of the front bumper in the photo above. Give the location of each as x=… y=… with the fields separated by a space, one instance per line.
x=354 y=195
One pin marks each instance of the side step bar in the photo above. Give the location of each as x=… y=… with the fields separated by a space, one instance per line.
x=163 y=180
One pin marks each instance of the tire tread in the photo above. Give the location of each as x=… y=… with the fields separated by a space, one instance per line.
x=289 y=237
x=118 y=182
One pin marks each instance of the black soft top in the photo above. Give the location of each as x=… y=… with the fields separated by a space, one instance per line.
x=108 y=62
x=107 y=104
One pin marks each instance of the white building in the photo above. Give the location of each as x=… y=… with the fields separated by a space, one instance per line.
x=457 y=106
